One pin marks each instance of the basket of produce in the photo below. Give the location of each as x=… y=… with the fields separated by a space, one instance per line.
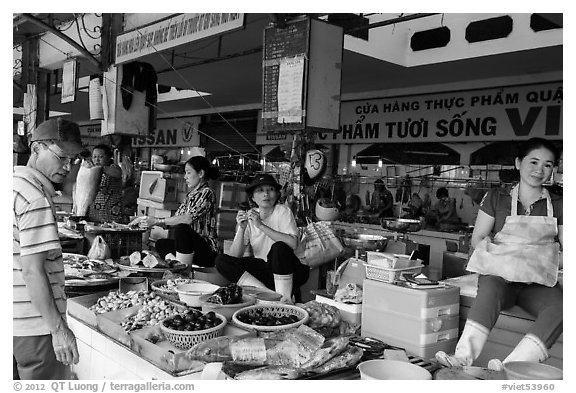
x=168 y=287
x=270 y=317
x=226 y=300
x=192 y=327
x=389 y=275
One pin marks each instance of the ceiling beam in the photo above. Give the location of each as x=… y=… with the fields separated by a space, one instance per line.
x=64 y=37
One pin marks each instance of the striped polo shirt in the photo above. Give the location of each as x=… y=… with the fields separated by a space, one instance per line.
x=35 y=230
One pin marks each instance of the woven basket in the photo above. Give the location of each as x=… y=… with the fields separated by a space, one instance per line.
x=186 y=340
x=275 y=309
x=389 y=275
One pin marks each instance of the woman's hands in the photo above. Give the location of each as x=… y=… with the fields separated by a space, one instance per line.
x=242 y=219
x=252 y=215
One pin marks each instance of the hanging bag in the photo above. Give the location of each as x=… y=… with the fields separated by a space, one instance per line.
x=318 y=244
x=99 y=249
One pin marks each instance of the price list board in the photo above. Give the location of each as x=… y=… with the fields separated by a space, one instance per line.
x=285 y=71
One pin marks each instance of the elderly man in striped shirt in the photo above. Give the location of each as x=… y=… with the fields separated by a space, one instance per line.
x=43 y=345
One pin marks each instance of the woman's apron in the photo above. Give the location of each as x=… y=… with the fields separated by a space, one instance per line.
x=524 y=250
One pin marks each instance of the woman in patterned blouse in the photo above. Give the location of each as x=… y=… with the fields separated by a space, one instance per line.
x=107 y=205
x=194 y=223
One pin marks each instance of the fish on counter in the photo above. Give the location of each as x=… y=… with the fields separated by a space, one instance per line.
x=350 y=357
x=270 y=373
x=331 y=348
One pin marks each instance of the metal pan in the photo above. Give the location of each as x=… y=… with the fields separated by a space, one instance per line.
x=401 y=224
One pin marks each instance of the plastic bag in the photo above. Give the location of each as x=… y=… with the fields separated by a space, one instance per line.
x=99 y=249
x=318 y=245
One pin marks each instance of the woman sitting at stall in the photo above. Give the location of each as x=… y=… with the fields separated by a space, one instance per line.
x=516 y=240
x=194 y=223
x=270 y=230
x=444 y=211
x=107 y=205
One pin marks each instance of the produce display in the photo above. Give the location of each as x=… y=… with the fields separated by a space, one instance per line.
x=230 y=294
x=264 y=318
x=148 y=259
x=153 y=311
x=171 y=284
x=117 y=300
x=192 y=320
x=321 y=315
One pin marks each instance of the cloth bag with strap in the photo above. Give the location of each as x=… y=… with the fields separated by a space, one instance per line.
x=318 y=244
x=524 y=250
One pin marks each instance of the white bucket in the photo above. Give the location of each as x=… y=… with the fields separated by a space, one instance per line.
x=380 y=369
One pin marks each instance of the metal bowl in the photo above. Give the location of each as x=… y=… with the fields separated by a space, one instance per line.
x=364 y=241
x=401 y=224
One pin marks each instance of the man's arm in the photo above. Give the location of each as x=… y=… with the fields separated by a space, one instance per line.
x=42 y=298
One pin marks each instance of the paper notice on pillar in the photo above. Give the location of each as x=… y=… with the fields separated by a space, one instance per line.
x=69 y=81
x=290 y=89
x=95 y=99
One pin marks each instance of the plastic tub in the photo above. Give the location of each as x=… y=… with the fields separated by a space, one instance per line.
x=380 y=369
x=190 y=293
x=531 y=370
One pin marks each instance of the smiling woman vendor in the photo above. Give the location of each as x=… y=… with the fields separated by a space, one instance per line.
x=517 y=239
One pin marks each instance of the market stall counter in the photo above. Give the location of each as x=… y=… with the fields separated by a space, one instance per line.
x=116 y=342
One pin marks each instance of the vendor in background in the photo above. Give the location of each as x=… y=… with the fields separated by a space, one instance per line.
x=42 y=343
x=520 y=265
x=382 y=200
x=270 y=230
x=194 y=223
x=444 y=211
x=107 y=205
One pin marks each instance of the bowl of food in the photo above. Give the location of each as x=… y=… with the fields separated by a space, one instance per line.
x=168 y=287
x=531 y=370
x=192 y=327
x=380 y=369
x=225 y=309
x=270 y=317
x=190 y=293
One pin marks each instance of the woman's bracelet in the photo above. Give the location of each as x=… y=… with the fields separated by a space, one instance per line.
x=161 y=222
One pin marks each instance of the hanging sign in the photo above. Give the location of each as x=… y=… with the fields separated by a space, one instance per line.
x=495 y=114
x=69 y=81
x=168 y=133
x=174 y=31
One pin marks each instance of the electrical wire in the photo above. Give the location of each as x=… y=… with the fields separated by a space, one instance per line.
x=192 y=88
x=166 y=112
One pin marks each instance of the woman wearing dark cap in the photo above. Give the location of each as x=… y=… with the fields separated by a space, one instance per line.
x=194 y=223
x=271 y=231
